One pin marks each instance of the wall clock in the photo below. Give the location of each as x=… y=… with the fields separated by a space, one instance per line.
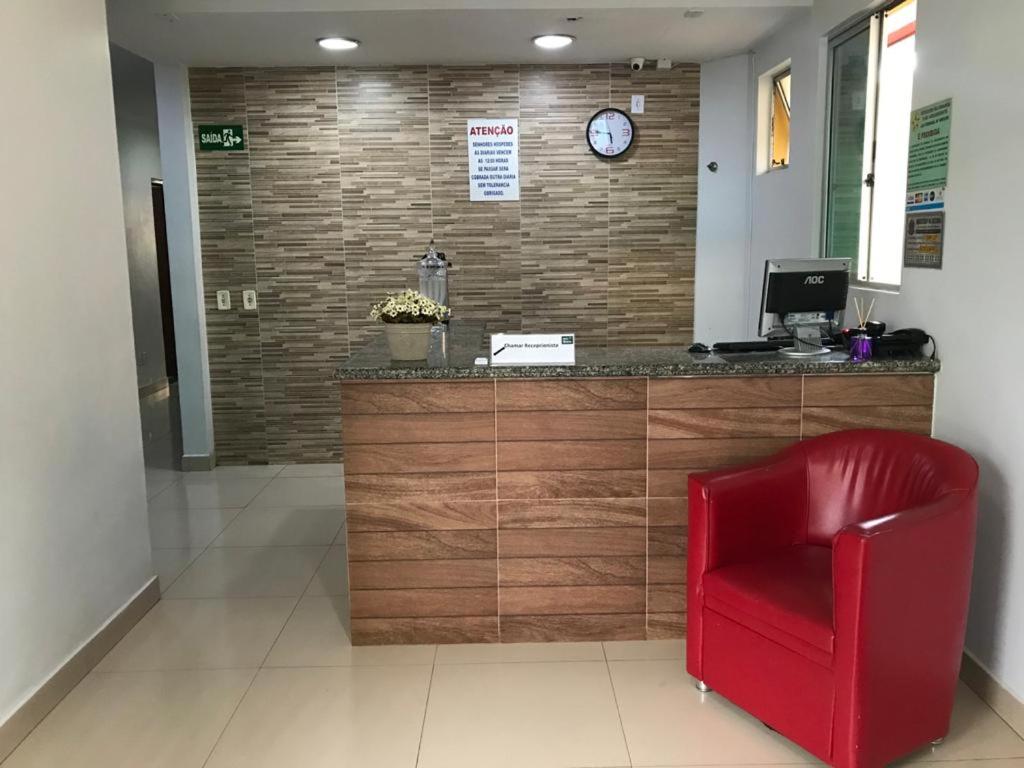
x=610 y=133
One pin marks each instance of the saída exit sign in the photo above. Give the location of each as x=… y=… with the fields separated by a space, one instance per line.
x=221 y=138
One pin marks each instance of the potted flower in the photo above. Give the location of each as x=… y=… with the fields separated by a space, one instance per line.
x=407 y=317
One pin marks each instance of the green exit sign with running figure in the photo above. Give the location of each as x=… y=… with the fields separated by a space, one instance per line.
x=221 y=138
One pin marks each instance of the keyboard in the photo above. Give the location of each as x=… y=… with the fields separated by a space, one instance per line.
x=753 y=346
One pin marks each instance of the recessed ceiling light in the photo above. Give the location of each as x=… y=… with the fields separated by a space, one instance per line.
x=553 y=41
x=337 y=43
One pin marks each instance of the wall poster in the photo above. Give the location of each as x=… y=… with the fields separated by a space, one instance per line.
x=493 y=159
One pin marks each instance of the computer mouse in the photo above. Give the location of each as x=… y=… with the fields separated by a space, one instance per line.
x=699 y=349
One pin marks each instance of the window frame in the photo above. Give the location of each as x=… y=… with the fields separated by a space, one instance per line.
x=787 y=71
x=872 y=22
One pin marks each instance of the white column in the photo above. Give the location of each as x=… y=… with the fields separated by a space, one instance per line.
x=177 y=155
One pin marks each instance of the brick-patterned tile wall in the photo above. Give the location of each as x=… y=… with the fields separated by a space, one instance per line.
x=348 y=172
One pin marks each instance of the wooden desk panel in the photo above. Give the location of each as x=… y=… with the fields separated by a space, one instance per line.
x=555 y=510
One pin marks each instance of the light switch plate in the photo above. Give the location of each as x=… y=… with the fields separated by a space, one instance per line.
x=636 y=104
x=223 y=300
x=248 y=299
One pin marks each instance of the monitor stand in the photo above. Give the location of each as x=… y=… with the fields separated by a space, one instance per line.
x=807 y=343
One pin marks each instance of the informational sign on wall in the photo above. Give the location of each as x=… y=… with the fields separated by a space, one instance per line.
x=493 y=159
x=928 y=161
x=923 y=243
x=221 y=138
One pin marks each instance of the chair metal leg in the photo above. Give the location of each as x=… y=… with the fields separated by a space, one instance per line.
x=703 y=687
x=938 y=741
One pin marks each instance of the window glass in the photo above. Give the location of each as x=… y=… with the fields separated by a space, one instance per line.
x=780 y=117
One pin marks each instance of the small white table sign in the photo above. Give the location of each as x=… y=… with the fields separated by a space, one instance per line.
x=533 y=349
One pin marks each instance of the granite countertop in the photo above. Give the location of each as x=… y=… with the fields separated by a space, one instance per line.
x=452 y=354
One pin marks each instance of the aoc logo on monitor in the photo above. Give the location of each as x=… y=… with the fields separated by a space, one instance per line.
x=815 y=280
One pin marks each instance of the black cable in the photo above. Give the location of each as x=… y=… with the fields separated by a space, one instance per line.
x=818 y=344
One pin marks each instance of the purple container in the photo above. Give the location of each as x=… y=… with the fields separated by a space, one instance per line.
x=860 y=348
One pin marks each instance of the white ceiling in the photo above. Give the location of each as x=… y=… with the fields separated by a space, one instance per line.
x=283 y=33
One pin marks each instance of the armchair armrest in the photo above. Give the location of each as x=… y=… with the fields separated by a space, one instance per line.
x=901 y=585
x=736 y=514
x=739 y=513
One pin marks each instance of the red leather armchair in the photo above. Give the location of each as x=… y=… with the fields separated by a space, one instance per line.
x=828 y=590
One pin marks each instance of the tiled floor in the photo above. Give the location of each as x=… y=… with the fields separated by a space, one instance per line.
x=247 y=662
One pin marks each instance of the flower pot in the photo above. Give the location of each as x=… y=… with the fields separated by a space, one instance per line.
x=408 y=341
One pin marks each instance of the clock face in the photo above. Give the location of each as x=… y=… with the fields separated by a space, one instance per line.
x=610 y=132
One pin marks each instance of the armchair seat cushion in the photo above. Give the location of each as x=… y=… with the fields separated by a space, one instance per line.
x=785 y=595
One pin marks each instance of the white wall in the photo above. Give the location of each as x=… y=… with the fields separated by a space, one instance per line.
x=75 y=543
x=139 y=155
x=972 y=306
x=181 y=202
x=723 y=201
x=974 y=55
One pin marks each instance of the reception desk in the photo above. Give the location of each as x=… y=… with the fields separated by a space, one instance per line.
x=549 y=504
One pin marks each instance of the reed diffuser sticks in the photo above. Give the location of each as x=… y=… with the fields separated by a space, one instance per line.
x=862 y=316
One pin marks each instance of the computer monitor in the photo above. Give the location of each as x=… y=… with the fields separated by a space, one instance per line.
x=800 y=297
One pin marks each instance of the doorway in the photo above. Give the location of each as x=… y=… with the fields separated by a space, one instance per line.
x=163 y=265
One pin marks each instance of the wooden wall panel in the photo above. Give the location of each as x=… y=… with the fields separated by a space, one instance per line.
x=713 y=453
x=417 y=397
x=572 y=425
x=404 y=458
x=422 y=545
x=725 y=422
x=387 y=429
x=572 y=395
x=455 y=486
x=908 y=418
x=573 y=484
x=572 y=454
x=543 y=629
x=416 y=603
x=412 y=631
x=557 y=510
x=428 y=514
x=869 y=389
x=414 y=574
x=571 y=513
x=725 y=392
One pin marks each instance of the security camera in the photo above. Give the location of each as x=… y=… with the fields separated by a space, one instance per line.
x=636 y=63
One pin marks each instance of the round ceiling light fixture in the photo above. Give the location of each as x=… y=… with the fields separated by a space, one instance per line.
x=552 y=42
x=337 y=43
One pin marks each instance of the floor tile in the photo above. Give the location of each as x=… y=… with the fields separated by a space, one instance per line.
x=332 y=576
x=159 y=479
x=629 y=650
x=302 y=492
x=169 y=564
x=669 y=723
x=316 y=636
x=217 y=493
x=515 y=715
x=311 y=470
x=249 y=572
x=240 y=471
x=283 y=527
x=131 y=719
x=976 y=732
x=187 y=528
x=202 y=634
x=490 y=653
x=342 y=717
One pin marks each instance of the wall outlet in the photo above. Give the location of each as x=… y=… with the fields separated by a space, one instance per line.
x=249 y=299
x=223 y=300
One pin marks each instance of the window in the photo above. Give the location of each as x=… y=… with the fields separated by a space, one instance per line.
x=780 y=115
x=773 y=118
x=872 y=78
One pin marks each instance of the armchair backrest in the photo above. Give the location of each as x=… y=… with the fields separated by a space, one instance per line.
x=860 y=475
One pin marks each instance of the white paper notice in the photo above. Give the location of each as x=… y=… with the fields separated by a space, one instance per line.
x=493 y=159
